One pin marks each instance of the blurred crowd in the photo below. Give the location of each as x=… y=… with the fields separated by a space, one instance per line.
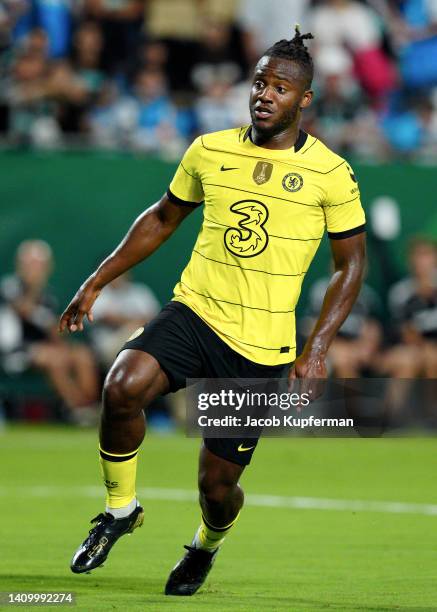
x=149 y=75
x=402 y=345
x=29 y=340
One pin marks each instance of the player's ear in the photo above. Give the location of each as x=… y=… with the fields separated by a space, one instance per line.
x=306 y=99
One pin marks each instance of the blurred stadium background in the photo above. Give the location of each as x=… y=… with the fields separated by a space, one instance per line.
x=98 y=101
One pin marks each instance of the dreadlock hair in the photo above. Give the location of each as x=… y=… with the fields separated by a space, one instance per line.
x=296 y=51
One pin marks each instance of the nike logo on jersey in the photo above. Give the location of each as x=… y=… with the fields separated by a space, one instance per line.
x=223 y=169
x=242 y=448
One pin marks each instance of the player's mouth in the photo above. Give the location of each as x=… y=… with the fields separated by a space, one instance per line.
x=262 y=112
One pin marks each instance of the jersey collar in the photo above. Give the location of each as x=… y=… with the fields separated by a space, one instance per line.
x=301 y=140
x=276 y=153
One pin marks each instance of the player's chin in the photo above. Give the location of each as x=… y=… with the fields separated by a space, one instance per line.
x=265 y=124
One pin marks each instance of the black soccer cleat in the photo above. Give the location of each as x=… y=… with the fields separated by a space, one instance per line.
x=94 y=550
x=190 y=572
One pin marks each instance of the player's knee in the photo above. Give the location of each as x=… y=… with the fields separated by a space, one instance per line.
x=215 y=491
x=122 y=396
x=215 y=496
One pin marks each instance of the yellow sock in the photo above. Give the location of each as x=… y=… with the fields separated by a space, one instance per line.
x=119 y=475
x=209 y=537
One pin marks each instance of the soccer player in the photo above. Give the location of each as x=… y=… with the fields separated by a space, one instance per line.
x=269 y=191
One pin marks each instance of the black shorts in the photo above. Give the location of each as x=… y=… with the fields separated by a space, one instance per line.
x=186 y=347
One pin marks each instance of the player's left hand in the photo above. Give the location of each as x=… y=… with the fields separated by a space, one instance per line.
x=307 y=376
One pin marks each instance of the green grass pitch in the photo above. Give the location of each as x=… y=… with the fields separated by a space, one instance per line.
x=338 y=557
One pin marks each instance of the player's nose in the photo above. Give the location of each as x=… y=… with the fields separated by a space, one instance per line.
x=265 y=95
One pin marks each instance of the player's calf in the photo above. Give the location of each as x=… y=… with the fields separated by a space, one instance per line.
x=221 y=498
x=133 y=381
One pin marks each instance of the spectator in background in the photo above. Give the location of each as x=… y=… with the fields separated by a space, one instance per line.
x=158 y=124
x=54 y=17
x=413 y=28
x=338 y=102
x=218 y=65
x=154 y=55
x=427 y=110
x=263 y=23
x=352 y=29
x=237 y=103
x=101 y=123
x=214 y=107
x=30 y=109
x=87 y=54
x=147 y=120
x=410 y=125
x=10 y=13
x=45 y=97
x=121 y=22
x=339 y=114
x=218 y=55
x=122 y=307
x=70 y=368
x=54 y=77
x=410 y=122
x=178 y=24
x=413 y=307
x=174 y=23
x=352 y=353
x=76 y=84
x=36 y=43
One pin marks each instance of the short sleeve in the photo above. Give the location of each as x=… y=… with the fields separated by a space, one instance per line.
x=186 y=187
x=343 y=211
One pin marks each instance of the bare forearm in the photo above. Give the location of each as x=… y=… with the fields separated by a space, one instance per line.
x=147 y=233
x=349 y=260
x=339 y=299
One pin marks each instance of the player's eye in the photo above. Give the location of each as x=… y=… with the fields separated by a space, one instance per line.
x=281 y=89
x=259 y=84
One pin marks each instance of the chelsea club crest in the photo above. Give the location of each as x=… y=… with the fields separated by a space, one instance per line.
x=292 y=182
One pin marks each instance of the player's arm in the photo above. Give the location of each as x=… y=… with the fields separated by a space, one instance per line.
x=349 y=256
x=147 y=233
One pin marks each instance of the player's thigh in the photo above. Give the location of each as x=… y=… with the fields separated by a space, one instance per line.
x=135 y=376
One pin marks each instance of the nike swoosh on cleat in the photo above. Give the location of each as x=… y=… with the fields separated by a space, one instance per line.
x=242 y=448
x=223 y=169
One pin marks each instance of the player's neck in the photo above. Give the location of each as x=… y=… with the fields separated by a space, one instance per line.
x=282 y=140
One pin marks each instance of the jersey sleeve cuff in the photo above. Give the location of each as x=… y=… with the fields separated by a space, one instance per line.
x=173 y=198
x=348 y=233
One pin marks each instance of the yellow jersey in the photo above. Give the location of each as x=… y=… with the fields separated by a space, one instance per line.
x=265 y=213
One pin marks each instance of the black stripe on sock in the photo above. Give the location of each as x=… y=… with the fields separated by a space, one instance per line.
x=115 y=458
x=218 y=529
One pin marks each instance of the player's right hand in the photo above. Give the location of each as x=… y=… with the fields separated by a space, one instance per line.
x=80 y=305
